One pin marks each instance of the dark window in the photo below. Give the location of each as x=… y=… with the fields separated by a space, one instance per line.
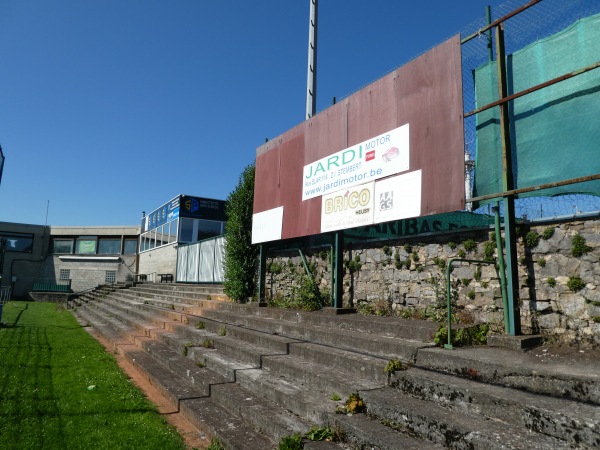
x=18 y=242
x=62 y=246
x=109 y=246
x=130 y=247
x=208 y=229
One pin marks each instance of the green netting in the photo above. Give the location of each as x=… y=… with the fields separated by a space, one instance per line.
x=555 y=132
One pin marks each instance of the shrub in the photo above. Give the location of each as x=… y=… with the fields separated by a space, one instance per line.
x=408 y=248
x=308 y=297
x=355 y=404
x=531 y=239
x=548 y=233
x=579 y=247
x=461 y=253
x=240 y=272
x=541 y=262
x=489 y=247
x=471 y=295
x=293 y=442
x=470 y=245
x=551 y=282
x=575 y=284
x=475 y=335
x=452 y=245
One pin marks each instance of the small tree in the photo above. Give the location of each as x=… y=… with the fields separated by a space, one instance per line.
x=240 y=255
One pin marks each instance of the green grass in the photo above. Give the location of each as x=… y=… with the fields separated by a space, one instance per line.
x=59 y=389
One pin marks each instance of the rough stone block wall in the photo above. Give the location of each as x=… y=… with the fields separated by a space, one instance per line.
x=559 y=280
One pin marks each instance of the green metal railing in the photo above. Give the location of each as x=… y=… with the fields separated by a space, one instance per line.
x=449 y=291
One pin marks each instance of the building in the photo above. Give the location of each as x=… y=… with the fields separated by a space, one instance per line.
x=182 y=220
x=81 y=257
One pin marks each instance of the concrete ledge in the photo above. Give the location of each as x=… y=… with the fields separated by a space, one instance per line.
x=337 y=311
x=514 y=342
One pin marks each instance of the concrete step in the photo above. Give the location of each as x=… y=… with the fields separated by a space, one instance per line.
x=451 y=428
x=372 y=344
x=576 y=422
x=362 y=432
x=183 y=382
x=517 y=370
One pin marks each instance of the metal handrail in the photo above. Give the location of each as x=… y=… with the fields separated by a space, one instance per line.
x=449 y=293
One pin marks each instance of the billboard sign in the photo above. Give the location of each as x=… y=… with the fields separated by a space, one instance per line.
x=392 y=151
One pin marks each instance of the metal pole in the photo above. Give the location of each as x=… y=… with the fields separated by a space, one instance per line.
x=502 y=272
x=311 y=82
x=339 y=269
x=262 y=266
x=507 y=184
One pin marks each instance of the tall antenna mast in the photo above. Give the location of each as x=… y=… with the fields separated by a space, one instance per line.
x=311 y=82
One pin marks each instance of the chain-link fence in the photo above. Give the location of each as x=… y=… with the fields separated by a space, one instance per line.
x=539 y=21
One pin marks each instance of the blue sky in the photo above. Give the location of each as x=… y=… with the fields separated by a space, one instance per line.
x=110 y=108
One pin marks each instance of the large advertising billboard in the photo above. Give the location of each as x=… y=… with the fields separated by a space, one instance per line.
x=391 y=151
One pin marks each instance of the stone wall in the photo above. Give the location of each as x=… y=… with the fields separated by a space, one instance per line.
x=559 y=286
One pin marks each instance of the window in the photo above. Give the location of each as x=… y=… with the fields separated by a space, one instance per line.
x=186 y=232
x=109 y=246
x=18 y=242
x=86 y=246
x=130 y=247
x=62 y=246
x=111 y=276
x=65 y=274
x=208 y=228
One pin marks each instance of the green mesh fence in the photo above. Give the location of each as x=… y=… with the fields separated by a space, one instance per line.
x=554 y=131
x=536 y=24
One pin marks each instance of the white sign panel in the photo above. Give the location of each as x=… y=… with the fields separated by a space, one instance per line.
x=378 y=157
x=398 y=197
x=267 y=225
x=348 y=208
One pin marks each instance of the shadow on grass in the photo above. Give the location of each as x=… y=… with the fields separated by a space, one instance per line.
x=14 y=324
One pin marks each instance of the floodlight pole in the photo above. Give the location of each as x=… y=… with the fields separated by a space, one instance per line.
x=311 y=81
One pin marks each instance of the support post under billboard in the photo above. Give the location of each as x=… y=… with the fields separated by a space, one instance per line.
x=262 y=265
x=338 y=292
x=507 y=184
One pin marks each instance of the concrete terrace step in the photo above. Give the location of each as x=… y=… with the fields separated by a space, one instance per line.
x=375 y=345
x=296 y=360
x=517 y=370
x=181 y=290
x=576 y=422
x=201 y=393
x=453 y=429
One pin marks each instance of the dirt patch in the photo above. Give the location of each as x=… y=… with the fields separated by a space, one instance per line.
x=192 y=437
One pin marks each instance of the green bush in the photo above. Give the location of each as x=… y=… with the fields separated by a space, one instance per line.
x=308 y=297
x=474 y=335
x=489 y=248
x=548 y=233
x=531 y=239
x=240 y=268
x=551 y=282
x=293 y=442
x=470 y=245
x=461 y=253
x=541 y=262
x=579 y=246
x=575 y=284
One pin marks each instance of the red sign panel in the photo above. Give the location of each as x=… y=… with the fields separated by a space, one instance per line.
x=399 y=140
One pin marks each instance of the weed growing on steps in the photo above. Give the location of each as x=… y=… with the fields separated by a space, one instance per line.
x=335 y=397
x=207 y=343
x=222 y=330
x=215 y=444
x=293 y=442
x=354 y=405
x=184 y=350
x=474 y=335
x=326 y=434
x=393 y=366
x=200 y=325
